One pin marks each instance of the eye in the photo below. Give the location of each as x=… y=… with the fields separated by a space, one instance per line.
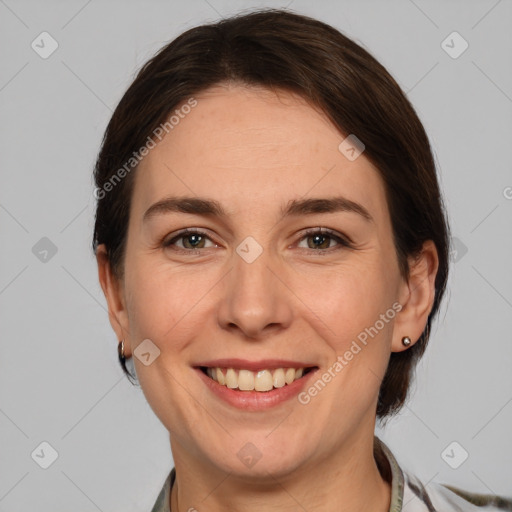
x=189 y=240
x=322 y=239
x=317 y=240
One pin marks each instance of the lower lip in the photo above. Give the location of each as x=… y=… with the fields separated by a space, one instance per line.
x=256 y=400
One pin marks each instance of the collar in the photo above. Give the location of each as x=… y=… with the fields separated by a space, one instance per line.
x=386 y=462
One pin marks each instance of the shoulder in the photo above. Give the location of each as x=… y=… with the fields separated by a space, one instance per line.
x=409 y=494
x=162 y=501
x=441 y=497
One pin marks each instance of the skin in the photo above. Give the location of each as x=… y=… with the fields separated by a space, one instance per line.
x=253 y=151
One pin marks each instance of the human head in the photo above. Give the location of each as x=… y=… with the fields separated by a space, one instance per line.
x=281 y=51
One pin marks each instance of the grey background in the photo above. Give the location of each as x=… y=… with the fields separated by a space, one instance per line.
x=59 y=377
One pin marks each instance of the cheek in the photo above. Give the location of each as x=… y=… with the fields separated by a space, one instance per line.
x=172 y=305
x=358 y=307
x=349 y=299
x=165 y=307
x=158 y=300
x=341 y=301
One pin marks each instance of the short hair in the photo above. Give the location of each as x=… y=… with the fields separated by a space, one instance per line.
x=283 y=51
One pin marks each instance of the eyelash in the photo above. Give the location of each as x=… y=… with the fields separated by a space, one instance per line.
x=343 y=242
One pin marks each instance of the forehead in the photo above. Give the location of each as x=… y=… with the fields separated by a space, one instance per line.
x=249 y=147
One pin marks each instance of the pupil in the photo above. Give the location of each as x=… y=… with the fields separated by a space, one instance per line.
x=318 y=240
x=194 y=240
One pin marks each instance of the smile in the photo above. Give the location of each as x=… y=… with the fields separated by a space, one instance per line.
x=261 y=380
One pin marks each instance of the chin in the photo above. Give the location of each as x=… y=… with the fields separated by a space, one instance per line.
x=259 y=460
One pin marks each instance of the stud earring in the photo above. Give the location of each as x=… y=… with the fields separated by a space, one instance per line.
x=406 y=341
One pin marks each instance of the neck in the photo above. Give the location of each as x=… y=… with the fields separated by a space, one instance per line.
x=348 y=480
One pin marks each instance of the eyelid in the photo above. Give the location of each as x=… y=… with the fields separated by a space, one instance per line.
x=341 y=239
x=167 y=241
x=327 y=231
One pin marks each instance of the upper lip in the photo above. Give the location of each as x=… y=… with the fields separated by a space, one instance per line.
x=262 y=364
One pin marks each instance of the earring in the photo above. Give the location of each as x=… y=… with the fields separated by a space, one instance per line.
x=120 y=351
x=406 y=341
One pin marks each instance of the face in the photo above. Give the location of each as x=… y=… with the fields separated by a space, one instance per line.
x=266 y=278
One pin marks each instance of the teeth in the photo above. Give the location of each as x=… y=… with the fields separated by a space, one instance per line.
x=219 y=376
x=289 y=376
x=278 y=378
x=246 y=380
x=263 y=381
x=231 y=379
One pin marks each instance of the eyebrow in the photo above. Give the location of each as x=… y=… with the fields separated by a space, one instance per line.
x=212 y=208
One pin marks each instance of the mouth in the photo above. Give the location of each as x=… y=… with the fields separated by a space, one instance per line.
x=264 y=380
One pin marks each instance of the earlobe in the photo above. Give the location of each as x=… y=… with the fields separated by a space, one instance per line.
x=406 y=341
x=417 y=298
x=112 y=290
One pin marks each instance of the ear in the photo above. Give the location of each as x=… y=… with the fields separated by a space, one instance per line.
x=417 y=295
x=114 y=294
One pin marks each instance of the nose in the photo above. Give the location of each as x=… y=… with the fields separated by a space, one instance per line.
x=256 y=302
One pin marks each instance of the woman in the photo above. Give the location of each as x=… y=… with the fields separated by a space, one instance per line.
x=273 y=248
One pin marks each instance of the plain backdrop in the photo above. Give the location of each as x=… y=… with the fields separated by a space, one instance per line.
x=60 y=382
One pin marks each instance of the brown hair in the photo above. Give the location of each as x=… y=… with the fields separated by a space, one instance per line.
x=281 y=50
